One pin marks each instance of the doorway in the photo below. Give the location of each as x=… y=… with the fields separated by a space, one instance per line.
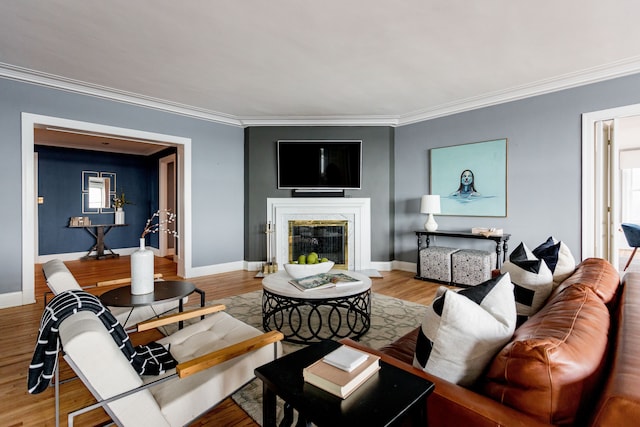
x=168 y=203
x=610 y=181
x=183 y=201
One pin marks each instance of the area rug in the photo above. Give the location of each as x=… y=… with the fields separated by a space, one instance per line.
x=391 y=318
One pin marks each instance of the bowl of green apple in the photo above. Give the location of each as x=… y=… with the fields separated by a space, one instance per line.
x=308 y=265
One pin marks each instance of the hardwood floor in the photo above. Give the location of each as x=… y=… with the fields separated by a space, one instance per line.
x=19 y=327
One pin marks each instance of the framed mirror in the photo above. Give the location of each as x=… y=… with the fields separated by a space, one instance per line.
x=99 y=193
x=96 y=192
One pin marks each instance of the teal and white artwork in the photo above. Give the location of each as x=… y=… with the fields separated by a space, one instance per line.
x=471 y=179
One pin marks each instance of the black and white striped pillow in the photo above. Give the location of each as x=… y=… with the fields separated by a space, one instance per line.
x=532 y=281
x=462 y=331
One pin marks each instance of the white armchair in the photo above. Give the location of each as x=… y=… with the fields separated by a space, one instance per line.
x=216 y=357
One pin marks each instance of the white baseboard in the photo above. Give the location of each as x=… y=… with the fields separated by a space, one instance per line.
x=381 y=265
x=216 y=269
x=74 y=256
x=13 y=299
x=404 y=266
x=226 y=267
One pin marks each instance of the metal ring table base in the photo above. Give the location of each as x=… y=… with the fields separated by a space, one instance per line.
x=304 y=321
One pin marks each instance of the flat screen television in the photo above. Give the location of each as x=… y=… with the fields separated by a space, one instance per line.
x=319 y=164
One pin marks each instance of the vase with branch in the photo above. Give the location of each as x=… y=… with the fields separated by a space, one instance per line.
x=142 y=259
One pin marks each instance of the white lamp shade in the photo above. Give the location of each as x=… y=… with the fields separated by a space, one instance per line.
x=430 y=204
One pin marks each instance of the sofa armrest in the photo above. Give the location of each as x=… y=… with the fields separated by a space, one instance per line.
x=452 y=405
x=620 y=399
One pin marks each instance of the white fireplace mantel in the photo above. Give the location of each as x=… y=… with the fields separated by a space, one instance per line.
x=357 y=211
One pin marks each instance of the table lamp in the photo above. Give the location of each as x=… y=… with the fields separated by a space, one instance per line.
x=430 y=204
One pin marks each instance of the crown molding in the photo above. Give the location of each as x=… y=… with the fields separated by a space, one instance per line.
x=321 y=121
x=567 y=81
x=609 y=71
x=57 y=82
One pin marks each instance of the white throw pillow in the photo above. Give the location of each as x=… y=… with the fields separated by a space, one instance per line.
x=557 y=255
x=462 y=331
x=532 y=281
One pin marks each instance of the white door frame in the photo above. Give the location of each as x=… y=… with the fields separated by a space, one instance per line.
x=592 y=206
x=29 y=121
x=162 y=185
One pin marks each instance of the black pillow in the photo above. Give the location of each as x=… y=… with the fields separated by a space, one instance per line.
x=549 y=252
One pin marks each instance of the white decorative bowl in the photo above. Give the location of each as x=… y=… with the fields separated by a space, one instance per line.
x=303 y=270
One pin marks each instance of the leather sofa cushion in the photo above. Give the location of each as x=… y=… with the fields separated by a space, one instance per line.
x=597 y=274
x=404 y=348
x=556 y=358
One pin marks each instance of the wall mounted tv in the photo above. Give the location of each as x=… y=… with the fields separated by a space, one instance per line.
x=319 y=164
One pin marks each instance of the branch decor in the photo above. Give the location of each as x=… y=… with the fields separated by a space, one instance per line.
x=120 y=201
x=155 y=224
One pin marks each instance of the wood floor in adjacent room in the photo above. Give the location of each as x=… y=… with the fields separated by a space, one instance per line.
x=19 y=327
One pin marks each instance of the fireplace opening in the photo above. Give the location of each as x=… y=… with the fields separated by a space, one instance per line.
x=325 y=237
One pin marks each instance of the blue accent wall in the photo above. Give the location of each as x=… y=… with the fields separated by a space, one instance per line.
x=60 y=183
x=216 y=170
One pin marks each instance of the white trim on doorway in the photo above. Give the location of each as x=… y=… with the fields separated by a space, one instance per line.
x=592 y=208
x=29 y=121
x=166 y=202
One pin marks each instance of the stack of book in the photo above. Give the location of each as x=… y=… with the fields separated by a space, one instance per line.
x=324 y=280
x=342 y=371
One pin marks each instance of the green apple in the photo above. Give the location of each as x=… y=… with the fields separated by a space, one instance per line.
x=312 y=258
x=302 y=259
x=324 y=260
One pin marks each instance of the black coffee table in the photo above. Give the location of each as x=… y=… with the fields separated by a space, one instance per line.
x=381 y=401
x=163 y=291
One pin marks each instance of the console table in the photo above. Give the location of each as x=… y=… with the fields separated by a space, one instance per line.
x=500 y=241
x=99 y=247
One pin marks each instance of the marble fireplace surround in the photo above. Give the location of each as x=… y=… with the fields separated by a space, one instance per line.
x=357 y=211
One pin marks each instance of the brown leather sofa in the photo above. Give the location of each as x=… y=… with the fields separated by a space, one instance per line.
x=575 y=362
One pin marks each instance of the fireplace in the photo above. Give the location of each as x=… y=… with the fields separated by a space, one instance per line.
x=327 y=238
x=324 y=216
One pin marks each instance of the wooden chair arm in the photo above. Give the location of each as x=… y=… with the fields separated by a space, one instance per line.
x=177 y=317
x=216 y=357
x=123 y=281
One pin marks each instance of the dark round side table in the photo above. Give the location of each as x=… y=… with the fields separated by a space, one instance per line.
x=163 y=291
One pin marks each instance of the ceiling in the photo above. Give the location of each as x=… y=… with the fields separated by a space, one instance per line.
x=288 y=62
x=71 y=138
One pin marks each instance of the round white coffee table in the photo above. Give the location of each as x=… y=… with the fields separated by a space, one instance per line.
x=316 y=315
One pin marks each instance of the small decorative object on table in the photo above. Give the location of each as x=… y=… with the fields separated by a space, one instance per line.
x=118 y=204
x=298 y=271
x=487 y=231
x=142 y=259
x=324 y=280
x=430 y=204
x=338 y=381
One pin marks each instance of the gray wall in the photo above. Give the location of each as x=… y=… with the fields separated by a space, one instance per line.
x=544 y=175
x=217 y=169
x=261 y=181
x=544 y=163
